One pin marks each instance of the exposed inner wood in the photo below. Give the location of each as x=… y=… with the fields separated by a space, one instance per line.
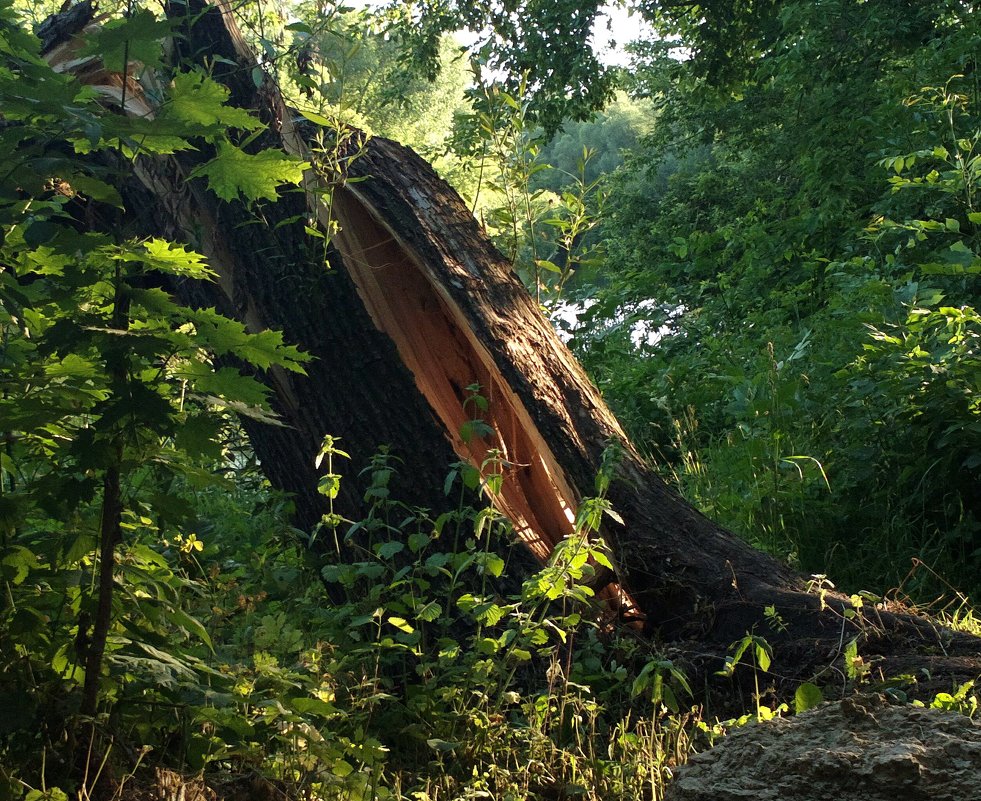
x=445 y=357
x=445 y=361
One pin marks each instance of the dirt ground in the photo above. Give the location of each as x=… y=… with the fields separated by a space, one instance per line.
x=860 y=749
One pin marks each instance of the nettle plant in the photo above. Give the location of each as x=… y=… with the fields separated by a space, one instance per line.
x=111 y=393
x=402 y=667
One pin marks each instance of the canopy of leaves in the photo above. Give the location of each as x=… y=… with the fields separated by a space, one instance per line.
x=540 y=47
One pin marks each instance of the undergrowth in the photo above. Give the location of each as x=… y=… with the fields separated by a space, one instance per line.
x=392 y=661
x=390 y=665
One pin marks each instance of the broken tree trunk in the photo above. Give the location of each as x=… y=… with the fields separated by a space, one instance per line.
x=406 y=311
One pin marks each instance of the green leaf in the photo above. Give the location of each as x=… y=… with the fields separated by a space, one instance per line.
x=471 y=429
x=493 y=564
x=851 y=659
x=222 y=335
x=401 y=624
x=329 y=485
x=443 y=746
x=158 y=135
x=740 y=649
x=256 y=413
x=450 y=480
x=40 y=231
x=175 y=260
x=386 y=550
x=226 y=383
x=158 y=306
x=807 y=697
x=613 y=515
x=669 y=699
x=191 y=625
x=233 y=173
x=72 y=366
x=200 y=749
x=489 y=614
x=137 y=38
x=417 y=541
x=960 y=253
x=18 y=562
x=487 y=646
x=51 y=794
x=96 y=189
x=198 y=101
x=312 y=706
x=429 y=612
x=318 y=119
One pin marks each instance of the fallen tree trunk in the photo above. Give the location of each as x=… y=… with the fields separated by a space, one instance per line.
x=407 y=311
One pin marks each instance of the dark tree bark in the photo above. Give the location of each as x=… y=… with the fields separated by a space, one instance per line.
x=408 y=308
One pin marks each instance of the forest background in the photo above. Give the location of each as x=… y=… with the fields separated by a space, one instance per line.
x=762 y=241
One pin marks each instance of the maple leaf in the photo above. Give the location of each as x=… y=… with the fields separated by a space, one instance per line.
x=174 y=259
x=234 y=172
x=226 y=383
x=220 y=335
x=197 y=101
x=267 y=348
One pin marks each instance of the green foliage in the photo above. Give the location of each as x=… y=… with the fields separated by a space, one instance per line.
x=136 y=38
x=233 y=172
x=199 y=104
x=410 y=654
x=111 y=407
x=787 y=316
x=609 y=135
x=807 y=697
x=424 y=676
x=538 y=47
x=658 y=676
x=547 y=237
x=962 y=700
x=786 y=288
x=356 y=70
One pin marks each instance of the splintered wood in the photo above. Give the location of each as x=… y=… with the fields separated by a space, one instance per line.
x=450 y=366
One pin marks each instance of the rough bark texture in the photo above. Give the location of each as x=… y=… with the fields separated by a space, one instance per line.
x=409 y=307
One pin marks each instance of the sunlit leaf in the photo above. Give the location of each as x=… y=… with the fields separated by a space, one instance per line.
x=233 y=173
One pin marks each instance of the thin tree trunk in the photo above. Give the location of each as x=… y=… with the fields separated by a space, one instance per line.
x=109 y=536
x=110 y=526
x=411 y=308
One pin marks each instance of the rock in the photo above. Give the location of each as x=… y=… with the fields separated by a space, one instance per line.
x=861 y=749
